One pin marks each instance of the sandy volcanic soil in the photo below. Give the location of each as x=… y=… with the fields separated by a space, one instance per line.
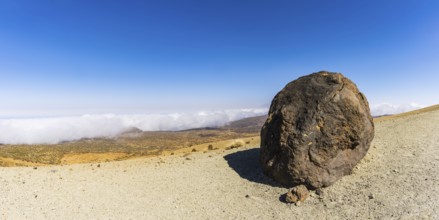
x=398 y=179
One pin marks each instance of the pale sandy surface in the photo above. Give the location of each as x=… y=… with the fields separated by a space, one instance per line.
x=398 y=179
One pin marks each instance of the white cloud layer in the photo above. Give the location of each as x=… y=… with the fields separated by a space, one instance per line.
x=55 y=130
x=389 y=109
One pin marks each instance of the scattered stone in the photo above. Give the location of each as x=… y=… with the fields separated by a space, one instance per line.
x=99 y=165
x=371 y=196
x=194 y=150
x=319 y=192
x=235 y=145
x=297 y=194
x=247 y=196
x=35 y=168
x=318 y=128
x=210 y=147
x=188 y=158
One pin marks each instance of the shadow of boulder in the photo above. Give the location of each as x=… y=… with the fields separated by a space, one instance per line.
x=246 y=164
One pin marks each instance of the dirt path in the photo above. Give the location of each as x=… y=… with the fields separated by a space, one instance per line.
x=398 y=179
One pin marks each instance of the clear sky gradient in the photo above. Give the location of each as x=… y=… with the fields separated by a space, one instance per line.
x=70 y=57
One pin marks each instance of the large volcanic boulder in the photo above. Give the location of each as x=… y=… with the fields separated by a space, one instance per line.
x=318 y=128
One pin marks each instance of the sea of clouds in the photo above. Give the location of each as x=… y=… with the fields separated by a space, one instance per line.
x=52 y=130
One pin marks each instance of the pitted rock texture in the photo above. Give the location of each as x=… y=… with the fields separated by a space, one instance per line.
x=318 y=128
x=297 y=194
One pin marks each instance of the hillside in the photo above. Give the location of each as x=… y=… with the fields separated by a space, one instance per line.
x=405 y=114
x=134 y=143
x=247 y=125
x=398 y=179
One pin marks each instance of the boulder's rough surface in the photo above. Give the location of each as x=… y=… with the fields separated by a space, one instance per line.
x=318 y=128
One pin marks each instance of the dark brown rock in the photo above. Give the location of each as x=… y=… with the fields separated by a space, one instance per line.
x=319 y=192
x=297 y=194
x=318 y=128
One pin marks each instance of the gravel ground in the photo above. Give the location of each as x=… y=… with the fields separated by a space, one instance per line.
x=398 y=179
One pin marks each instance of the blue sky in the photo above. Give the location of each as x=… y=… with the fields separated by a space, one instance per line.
x=71 y=57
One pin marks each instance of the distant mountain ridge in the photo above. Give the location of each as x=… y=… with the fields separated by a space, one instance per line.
x=247 y=125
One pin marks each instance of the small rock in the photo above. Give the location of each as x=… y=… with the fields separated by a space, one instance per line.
x=319 y=192
x=35 y=168
x=187 y=158
x=297 y=194
x=247 y=196
x=371 y=196
x=98 y=165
